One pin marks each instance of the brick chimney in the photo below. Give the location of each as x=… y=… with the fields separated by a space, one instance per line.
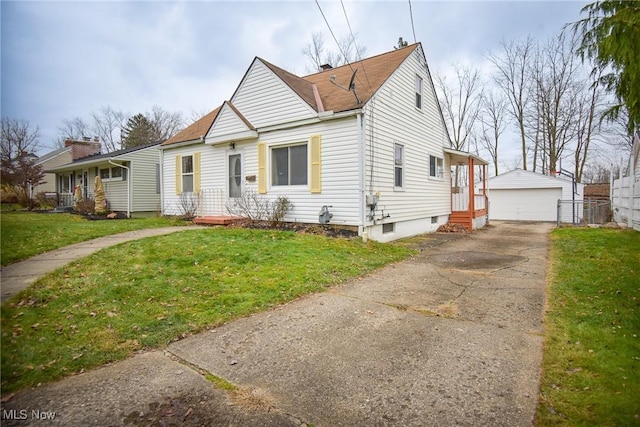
x=81 y=149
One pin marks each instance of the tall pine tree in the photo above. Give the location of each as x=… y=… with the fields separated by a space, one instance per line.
x=138 y=131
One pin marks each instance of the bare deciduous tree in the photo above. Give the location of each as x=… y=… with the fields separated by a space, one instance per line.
x=460 y=103
x=18 y=143
x=17 y=137
x=493 y=123
x=511 y=76
x=165 y=123
x=558 y=84
x=108 y=124
x=318 y=54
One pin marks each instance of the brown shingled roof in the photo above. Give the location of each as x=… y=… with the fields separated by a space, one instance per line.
x=303 y=88
x=193 y=132
x=372 y=73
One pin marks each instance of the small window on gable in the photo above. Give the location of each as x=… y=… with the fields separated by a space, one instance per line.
x=418 y=92
x=398 y=166
x=435 y=167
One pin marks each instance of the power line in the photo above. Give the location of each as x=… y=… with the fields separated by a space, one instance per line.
x=356 y=47
x=415 y=40
x=334 y=36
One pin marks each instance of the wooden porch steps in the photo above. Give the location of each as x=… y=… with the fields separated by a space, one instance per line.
x=215 y=220
x=461 y=218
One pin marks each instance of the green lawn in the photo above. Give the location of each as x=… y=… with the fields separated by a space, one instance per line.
x=144 y=294
x=591 y=368
x=25 y=234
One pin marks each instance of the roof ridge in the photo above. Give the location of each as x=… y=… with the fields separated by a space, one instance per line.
x=414 y=45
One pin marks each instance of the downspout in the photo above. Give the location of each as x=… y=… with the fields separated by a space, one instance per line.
x=361 y=173
x=128 y=185
x=161 y=178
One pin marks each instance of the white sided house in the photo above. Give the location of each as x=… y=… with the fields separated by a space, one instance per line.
x=521 y=195
x=130 y=178
x=365 y=141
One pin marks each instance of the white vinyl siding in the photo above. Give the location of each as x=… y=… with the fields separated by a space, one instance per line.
x=142 y=177
x=213 y=176
x=227 y=123
x=421 y=131
x=264 y=99
x=339 y=174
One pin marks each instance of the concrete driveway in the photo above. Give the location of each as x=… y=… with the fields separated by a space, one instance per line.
x=450 y=337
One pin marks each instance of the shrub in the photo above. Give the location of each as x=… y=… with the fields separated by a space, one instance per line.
x=85 y=206
x=188 y=204
x=254 y=207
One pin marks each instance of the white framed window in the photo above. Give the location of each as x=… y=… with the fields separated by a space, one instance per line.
x=113 y=174
x=435 y=167
x=398 y=180
x=418 y=92
x=187 y=174
x=289 y=165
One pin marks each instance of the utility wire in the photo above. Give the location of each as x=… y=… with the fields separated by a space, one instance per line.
x=334 y=36
x=356 y=47
x=415 y=40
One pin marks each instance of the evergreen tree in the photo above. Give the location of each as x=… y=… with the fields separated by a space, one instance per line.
x=138 y=131
x=610 y=37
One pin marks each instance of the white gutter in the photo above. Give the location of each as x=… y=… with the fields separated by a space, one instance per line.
x=128 y=185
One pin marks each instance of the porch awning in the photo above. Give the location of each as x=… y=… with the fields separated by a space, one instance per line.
x=462 y=157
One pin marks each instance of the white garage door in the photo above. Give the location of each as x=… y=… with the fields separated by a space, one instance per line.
x=531 y=204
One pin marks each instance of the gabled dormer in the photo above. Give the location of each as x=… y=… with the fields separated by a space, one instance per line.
x=230 y=125
x=268 y=95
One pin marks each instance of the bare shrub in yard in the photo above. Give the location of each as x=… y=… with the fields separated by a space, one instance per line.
x=188 y=204
x=85 y=206
x=279 y=209
x=252 y=206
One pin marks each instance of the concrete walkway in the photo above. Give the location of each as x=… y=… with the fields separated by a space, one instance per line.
x=20 y=275
x=451 y=337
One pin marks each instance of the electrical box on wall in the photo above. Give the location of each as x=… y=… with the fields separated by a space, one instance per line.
x=372 y=199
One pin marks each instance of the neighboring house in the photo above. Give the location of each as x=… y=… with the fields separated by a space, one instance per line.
x=522 y=195
x=72 y=150
x=366 y=140
x=130 y=177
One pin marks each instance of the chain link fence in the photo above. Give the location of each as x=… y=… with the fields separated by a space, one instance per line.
x=584 y=212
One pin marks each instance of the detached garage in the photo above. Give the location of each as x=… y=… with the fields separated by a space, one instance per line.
x=522 y=195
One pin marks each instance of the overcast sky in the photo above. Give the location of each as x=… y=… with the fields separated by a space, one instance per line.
x=66 y=59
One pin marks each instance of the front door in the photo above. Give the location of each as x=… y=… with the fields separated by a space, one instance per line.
x=235 y=175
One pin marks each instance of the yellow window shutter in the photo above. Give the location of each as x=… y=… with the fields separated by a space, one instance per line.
x=178 y=175
x=262 y=167
x=196 y=172
x=316 y=164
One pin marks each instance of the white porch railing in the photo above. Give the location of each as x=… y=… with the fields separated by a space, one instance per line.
x=212 y=202
x=460 y=201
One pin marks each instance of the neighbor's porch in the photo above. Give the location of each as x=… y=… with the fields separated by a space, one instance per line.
x=469 y=200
